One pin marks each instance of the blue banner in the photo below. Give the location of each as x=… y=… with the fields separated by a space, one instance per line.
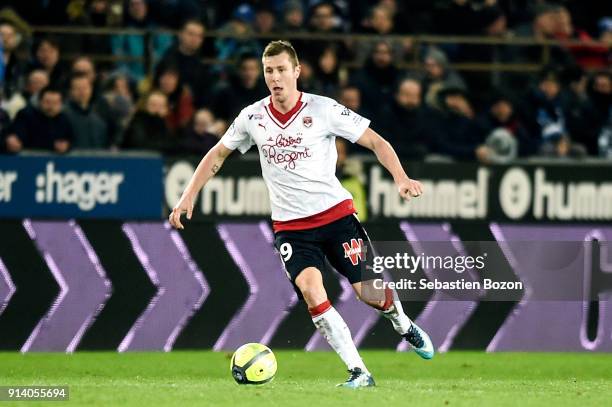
x=81 y=187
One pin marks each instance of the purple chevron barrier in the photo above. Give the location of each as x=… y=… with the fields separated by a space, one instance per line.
x=271 y=297
x=536 y=325
x=442 y=317
x=84 y=287
x=181 y=287
x=553 y=263
x=7 y=288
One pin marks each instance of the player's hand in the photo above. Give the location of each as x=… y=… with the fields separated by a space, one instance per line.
x=184 y=205
x=410 y=188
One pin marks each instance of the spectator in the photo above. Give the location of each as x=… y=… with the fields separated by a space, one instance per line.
x=380 y=22
x=84 y=66
x=148 y=130
x=328 y=72
x=265 y=23
x=116 y=106
x=325 y=20
x=377 y=79
x=308 y=82
x=544 y=26
x=44 y=127
x=242 y=88
x=587 y=56
x=168 y=80
x=544 y=22
x=409 y=125
x=185 y=54
x=47 y=57
x=240 y=29
x=502 y=114
x=600 y=92
x=88 y=128
x=202 y=135
x=293 y=19
x=578 y=110
x=461 y=133
x=35 y=82
x=546 y=118
x=293 y=22
x=542 y=110
x=494 y=23
x=134 y=45
x=14 y=67
x=438 y=76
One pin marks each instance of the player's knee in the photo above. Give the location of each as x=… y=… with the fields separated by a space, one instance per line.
x=313 y=292
x=313 y=295
x=310 y=284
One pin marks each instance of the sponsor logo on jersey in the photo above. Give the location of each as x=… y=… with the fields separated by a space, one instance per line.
x=255 y=116
x=307 y=120
x=354 y=251
x=285 y=151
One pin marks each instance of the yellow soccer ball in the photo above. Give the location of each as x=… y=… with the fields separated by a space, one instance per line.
x=253 y=363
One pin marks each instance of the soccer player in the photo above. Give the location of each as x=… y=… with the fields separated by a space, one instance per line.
x=312 y=214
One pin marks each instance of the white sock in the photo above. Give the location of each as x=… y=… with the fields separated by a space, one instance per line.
x=400 y=321
x=332 y=326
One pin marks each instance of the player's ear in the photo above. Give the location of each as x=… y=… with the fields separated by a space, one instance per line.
x=296 y=72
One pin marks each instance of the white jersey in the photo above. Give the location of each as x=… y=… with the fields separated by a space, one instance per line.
x=297 y=151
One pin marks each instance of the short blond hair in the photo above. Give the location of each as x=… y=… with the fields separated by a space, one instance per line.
x=278 y=47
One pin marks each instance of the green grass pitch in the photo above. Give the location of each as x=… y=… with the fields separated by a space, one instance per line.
x=307 y=379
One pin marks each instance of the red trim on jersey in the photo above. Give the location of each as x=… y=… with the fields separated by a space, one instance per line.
x=283 y=120
x=320 y=309
x=330 y=215
x=283 y=117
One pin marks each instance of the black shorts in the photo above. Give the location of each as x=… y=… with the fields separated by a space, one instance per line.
x=344 y=243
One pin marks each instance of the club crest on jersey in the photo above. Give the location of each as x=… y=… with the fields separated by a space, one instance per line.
x=354 y=251
x=307 y=120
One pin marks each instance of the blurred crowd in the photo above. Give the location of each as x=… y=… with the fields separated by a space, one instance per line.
x=57 y=95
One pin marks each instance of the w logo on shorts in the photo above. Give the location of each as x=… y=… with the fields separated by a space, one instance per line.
x=355 y=251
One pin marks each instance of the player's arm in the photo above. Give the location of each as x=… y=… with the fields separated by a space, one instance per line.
x=208 y=167
x=388 y=158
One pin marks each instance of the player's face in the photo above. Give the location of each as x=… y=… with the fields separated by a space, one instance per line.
x=281 y=76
